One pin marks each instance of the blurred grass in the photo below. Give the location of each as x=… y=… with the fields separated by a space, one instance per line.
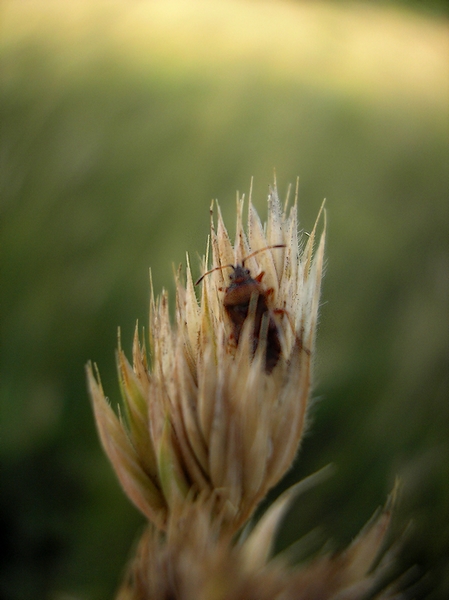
x=119 y=124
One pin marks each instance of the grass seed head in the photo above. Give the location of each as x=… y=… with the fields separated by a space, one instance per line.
x=212 y=416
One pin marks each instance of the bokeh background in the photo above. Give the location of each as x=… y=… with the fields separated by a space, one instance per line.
x=120 y=122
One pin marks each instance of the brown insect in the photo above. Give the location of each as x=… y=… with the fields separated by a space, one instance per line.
x=242 y=291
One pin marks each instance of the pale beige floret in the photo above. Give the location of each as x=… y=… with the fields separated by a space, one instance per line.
x=207 y=430
x=197 y=560
x=207 y=418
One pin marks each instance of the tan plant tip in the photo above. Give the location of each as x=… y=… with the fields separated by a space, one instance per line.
x=217 y=419
x=223 y=407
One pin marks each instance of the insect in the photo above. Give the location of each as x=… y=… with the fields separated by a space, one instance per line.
x=238 y=299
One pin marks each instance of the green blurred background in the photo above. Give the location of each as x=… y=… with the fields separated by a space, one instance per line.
x=120 y=122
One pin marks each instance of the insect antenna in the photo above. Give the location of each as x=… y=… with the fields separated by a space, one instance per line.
x=261 y=250
x=243 y=261
x=211 y=271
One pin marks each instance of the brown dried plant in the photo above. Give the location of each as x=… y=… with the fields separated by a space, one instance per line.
x=208 y=429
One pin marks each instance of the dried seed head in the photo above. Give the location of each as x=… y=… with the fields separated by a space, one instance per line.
x=213 y=417
x=195 y=560
x=217 y=420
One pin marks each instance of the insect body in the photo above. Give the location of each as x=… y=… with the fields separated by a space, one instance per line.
x=237 y=299
x=242 y=291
